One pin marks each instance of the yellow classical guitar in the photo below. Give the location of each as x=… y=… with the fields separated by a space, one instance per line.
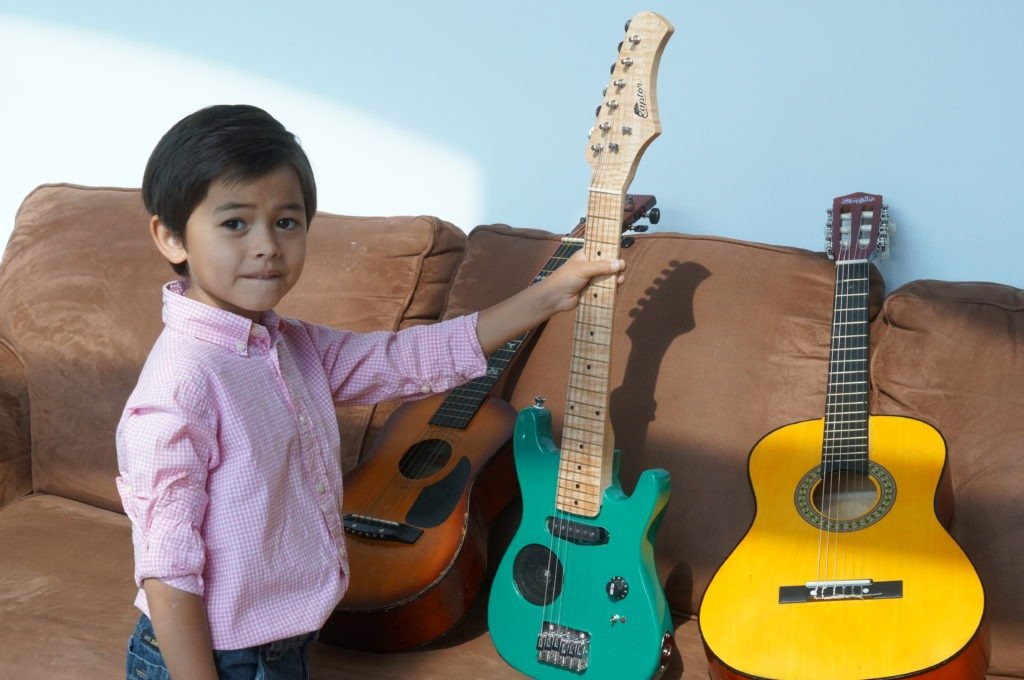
x=847 y=571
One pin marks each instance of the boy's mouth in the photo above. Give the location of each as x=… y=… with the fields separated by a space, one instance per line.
x=263 y=275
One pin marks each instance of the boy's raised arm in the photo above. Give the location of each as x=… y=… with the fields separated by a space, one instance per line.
x=536 y=304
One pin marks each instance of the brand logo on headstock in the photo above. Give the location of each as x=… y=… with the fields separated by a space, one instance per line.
x=862 y=199
x=640 y=108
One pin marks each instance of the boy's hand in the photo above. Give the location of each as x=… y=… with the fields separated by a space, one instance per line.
x=571 y=278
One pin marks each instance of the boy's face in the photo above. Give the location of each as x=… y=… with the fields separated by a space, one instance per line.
x=245 y=243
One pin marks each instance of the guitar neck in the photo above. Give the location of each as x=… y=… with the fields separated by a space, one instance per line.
x=585 y=468
x=846 y=406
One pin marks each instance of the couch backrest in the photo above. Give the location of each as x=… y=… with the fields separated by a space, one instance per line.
x=716 y=343
x=80 y=308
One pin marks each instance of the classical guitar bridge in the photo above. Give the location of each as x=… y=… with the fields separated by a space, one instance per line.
x=830 y=591
x=564 y=647
x=381 y=529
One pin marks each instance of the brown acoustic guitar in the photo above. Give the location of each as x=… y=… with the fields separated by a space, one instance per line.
x=417 y=512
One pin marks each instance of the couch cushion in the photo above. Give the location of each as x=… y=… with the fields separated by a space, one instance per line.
x=951 y=354
x=80 y=305
x=66 y=590
x=716 y=343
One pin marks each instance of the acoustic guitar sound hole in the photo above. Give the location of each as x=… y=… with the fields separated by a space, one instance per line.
x=845 y=495
x=425 y=458
x=845 y=500
x=537 y=573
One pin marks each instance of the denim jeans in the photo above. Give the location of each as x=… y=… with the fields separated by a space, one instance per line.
x=286 y=659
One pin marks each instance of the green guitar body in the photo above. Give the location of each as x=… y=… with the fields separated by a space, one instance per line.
x=609 y=617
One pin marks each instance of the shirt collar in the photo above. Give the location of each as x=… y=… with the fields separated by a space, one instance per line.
x=217 y=326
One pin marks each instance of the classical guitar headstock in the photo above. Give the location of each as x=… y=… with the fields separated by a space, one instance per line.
x=857 y=227
x=627 y=119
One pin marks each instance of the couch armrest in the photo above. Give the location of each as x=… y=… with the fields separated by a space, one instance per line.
x=15 y=446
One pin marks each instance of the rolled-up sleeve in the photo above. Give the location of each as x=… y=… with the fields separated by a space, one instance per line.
x=166 y=445
x=365 y=368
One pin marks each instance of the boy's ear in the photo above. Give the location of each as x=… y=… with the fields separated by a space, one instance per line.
x=167 y=242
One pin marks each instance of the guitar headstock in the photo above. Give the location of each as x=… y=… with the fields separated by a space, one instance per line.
x=857 y=227
x=627 y=119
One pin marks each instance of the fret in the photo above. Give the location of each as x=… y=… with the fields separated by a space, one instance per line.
x=596 y=335
x=588 y=364
x=580 y=490
x=579 y=506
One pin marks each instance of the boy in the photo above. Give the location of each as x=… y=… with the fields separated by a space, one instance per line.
x=228 y=450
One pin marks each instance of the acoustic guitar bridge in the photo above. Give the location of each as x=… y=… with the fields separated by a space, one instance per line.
x=381 y=529
x=830 y=591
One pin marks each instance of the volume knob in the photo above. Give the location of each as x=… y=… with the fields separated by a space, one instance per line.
x=617 y=588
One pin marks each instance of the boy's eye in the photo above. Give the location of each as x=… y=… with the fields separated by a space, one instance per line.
x=233 y=224
x=288 y=223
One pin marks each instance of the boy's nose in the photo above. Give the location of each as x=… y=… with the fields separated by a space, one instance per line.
x=266 y=244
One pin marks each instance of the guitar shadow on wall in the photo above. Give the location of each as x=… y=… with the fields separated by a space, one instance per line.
x=664 y=313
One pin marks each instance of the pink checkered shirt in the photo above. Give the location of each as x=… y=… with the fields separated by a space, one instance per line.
x=229 y=456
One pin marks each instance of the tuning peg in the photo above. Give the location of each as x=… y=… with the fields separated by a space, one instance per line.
x=628 y=22
x=597 y=111
x=641 y=228
x=628 y=241
x=654 y=215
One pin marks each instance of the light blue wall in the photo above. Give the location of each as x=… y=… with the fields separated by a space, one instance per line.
x=769 y=109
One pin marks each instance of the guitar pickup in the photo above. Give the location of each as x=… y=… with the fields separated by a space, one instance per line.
x=830 y=591
x=577 y=532
x=381 y=529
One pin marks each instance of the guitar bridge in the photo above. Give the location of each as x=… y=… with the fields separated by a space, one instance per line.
x=381 y=529
x=563 y=647
x=830 y=591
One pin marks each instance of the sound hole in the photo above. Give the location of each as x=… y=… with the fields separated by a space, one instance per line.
x=425 y=458
x=845 y=500
x=537 y=573
x=843 y=495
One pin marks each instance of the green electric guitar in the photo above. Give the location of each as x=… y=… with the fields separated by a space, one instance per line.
x=577 y=593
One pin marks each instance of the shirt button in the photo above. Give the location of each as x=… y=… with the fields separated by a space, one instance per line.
x=425 y=389
x=320 y=487
x=240 y=346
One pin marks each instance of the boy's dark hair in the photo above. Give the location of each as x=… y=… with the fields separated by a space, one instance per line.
x=230 y=142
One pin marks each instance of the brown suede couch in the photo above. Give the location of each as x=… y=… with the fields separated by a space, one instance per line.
x=717 y=343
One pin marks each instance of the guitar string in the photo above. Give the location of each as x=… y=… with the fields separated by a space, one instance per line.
x=830 y=471
x=846 y=427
